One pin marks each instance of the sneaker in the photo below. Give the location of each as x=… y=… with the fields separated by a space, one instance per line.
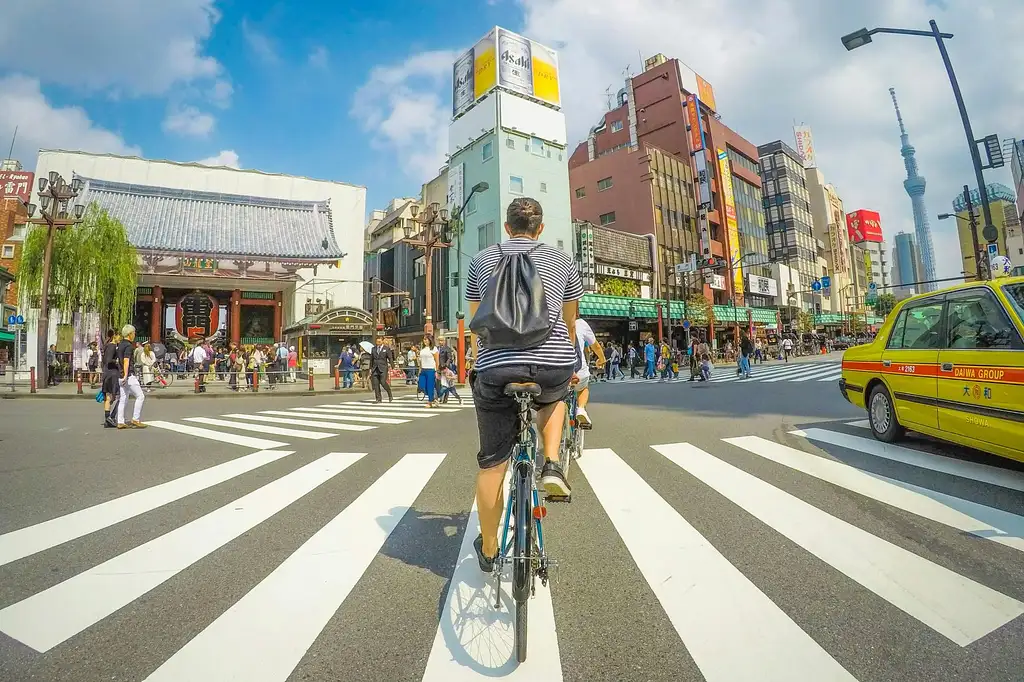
x=553 y=480
x=486 y=563
x=583 y=419
x=136 y=424
x=122 y=426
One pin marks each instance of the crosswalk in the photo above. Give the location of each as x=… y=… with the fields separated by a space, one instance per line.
x=722 y=373
x=729 y=623
x=298 y=424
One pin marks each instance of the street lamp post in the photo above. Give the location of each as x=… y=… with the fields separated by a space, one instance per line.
x=54 y=197
x=862 y=37
x=972 y=221
x=478 y=188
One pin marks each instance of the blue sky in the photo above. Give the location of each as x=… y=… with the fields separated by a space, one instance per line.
x=360 y=91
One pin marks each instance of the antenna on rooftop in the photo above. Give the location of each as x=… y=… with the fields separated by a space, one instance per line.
x=608 y=97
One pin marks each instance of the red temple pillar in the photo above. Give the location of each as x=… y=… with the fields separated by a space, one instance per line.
x=278 y=304
x=236 y=317
x=156 y=316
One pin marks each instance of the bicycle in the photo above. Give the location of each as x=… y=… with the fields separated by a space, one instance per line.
x=571 y=445
x=523 y=514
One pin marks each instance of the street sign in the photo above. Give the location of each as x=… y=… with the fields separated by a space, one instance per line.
x=688 y=266
x=12 y=319
x=686 y=324
x=990 y=233
x=826 y=282
x=872 y=286
x=816 y=286
x=21 y=319
x=993 y=250
x=993 y=151
x=632 y=325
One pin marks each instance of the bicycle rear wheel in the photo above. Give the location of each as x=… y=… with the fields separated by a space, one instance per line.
x=522 y=565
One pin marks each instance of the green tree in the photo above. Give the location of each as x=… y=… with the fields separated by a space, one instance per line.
x=884 y=305
x=805 y=322
x=93 y=268
x=699 y=310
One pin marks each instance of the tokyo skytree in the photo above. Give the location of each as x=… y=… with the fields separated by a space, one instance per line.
x=915 y=184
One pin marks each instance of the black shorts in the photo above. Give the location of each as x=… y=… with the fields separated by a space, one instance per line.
x=497 y=414
x=111 y=383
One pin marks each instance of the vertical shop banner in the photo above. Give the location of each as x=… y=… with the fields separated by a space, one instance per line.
x=693 y=120
x=805 y=145
x=456 y=187
x=867 y=266
x=463 y=92
x=732 y=229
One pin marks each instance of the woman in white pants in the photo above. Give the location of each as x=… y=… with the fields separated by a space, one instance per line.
x=129 y=381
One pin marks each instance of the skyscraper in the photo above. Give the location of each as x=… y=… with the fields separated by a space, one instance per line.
x=915 y=185
x=907 y=266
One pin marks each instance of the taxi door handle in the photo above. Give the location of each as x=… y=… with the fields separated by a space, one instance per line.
x=947 y=367
x=886 y=363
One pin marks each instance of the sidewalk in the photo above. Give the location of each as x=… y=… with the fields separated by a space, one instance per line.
x=186 y=389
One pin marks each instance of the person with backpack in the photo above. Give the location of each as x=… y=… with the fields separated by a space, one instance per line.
x=523 y=303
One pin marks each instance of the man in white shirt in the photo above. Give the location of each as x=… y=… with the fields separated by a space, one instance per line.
x=198 y=361
x=585 y=339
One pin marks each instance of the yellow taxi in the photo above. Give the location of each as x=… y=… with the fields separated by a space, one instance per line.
x=949 y=364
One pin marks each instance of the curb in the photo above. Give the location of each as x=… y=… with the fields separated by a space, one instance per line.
x=157 y=395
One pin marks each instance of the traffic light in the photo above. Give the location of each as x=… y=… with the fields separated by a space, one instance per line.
x=405 y=306
x=708 y=262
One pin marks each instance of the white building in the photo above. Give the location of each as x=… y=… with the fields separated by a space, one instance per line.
x=238 y=254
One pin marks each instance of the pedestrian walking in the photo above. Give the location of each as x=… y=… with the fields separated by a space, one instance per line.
x=110 y=384
x=428 y=369
x=650 y=356
x=199 y=362
x=347 y=366
x=381 y=358
x=746 y=350
x=148 y=362
x=129 y=382
x=787 y=348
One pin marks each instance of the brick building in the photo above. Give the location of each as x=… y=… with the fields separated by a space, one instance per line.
x=13 y=220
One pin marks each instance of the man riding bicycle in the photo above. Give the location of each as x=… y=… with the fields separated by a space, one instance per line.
x=585 y=339
x=551 y=365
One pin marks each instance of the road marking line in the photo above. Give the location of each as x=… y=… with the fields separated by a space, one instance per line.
x=301 y=422
x=762 y=373
x=259 y=428
x=977 y=519
x=833 y=377
x=828 y=372
x=861 y=424
x=265 y=634
x=52 y=616
x=809 y=372
x=336 y=417
x=951 y=604
x=733 y=631
x=210 y=434
x=474 y=641
x=369 y=413
x=392 y=406
x=983 y=473
x=32 y=539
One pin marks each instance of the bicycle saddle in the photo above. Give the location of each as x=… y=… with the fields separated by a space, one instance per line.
x=520 y=388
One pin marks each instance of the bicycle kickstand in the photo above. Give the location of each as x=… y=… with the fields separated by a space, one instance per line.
x=497 y=590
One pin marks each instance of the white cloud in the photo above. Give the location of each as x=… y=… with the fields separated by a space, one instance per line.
x=120 y=46
x=771 y=62
x=226 y=157
x=319 y=57
x=188 y=121
x=404 y=108
x=220 y=93
x=41 y=125
x=260 y=43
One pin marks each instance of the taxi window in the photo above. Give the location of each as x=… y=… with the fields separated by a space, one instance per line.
x=977 y=321
x=918 y=328
x=1015 y=292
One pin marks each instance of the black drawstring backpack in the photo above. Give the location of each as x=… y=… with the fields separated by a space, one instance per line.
x=514 y=312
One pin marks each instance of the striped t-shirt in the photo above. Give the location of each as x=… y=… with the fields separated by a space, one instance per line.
x=562 y=283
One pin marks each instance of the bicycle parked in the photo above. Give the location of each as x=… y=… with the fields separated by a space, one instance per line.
x=524 y=550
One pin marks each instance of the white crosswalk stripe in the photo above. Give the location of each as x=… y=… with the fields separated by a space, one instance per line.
x=732 y=627
x=322 y=421
x=726 y=373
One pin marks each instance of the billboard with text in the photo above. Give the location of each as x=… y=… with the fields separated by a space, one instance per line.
x=863 y=225
x=507 y=60
x=16 y=185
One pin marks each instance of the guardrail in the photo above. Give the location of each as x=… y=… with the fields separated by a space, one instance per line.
x=14 y=380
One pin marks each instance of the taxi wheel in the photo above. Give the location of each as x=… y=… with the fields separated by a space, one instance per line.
x=882 y=416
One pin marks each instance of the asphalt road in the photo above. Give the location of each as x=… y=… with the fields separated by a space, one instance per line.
x=338 y=554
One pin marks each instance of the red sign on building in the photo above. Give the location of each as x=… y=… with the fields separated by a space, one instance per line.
x=693 y=118
x=864 y=226
x=16 y=184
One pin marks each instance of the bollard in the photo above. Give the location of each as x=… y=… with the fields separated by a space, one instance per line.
x=337 y=379
x=79 y=375
x=310 y=380
x=197 y=383
x=32 y=379
x=255 y=381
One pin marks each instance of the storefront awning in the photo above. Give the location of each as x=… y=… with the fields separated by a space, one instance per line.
x=6 y=335
x=599 y=305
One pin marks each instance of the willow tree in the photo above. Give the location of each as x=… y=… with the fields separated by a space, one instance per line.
x=93 y=268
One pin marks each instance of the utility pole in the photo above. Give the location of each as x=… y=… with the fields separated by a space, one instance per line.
x=973 y=222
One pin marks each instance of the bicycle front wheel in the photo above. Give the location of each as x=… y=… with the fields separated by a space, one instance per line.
x=522 y=565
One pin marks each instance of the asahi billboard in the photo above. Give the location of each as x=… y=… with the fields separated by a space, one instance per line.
x=507 y=60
